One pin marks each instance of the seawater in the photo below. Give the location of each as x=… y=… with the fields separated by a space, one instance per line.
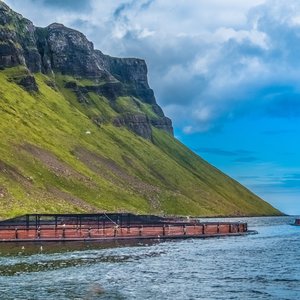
x=261 y=266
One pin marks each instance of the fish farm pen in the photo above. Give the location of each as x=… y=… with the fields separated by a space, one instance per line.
x=111 y=226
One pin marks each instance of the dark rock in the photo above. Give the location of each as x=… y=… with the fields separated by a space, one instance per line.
x=28 y=42
x=80 y=93
x=110 y=90
x=5 y=17
x=163 y=124
x=29 y=83
x=138 y=123
x=132 y=72
x=9 y=55
x=71 y=85
x=69 y=52
x=157 y=109
x=81 y=97
x=18 y=45
x=52 y=84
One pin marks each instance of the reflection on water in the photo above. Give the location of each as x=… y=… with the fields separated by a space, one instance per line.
x=262 y=266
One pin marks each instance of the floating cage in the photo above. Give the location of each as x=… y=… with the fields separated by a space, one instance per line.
x=113 y=226
x=79 y=220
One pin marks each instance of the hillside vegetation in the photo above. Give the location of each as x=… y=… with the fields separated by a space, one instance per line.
x=81 y=131
x=55 y=159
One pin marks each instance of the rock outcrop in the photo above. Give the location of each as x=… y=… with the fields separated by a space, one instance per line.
x=28 y=83
x=68 y=51
x=163 y=123
x=132 y=72
x=58 y=49
x=18 y=42
x=138 y=123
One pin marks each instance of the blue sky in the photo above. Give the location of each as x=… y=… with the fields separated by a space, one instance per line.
x=226 y=72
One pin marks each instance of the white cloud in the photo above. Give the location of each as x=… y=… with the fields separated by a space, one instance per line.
x=256 y=37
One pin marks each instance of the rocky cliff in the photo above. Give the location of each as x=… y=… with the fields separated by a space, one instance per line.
x=57 y=49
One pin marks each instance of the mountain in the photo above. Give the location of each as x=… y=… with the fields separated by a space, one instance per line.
x=81 y=131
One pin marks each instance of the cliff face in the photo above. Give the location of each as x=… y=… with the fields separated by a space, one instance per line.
x=81 y=131
x=69 y=52
x=57 y=49
x=18 y=43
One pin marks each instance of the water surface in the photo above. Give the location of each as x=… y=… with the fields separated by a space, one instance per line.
x=262 y=266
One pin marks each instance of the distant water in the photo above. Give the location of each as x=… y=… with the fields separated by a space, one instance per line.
x=262 y=266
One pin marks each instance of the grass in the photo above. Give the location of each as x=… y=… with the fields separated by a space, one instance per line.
x=134 y=105
x=129 y=173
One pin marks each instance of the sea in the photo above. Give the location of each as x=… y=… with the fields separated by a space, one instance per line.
x=265 y=265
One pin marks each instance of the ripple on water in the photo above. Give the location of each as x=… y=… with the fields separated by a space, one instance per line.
x=263 y=266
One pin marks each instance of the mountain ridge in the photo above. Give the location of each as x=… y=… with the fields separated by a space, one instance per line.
x=57 y=48
x=81 y=131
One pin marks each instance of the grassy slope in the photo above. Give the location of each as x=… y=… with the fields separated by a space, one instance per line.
x=48 y=162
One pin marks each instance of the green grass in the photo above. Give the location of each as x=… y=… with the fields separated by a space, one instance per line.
x=79 y=80
x=129 y=173
x=134 y=105
x=127 y=104
x=97 y=106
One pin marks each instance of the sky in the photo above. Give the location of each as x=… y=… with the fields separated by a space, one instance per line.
x=226 y=72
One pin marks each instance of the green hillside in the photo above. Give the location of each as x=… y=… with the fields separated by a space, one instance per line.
x=54 y=158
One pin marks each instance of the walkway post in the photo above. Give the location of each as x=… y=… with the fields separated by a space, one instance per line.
x=27 y=222
x=141 y=230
